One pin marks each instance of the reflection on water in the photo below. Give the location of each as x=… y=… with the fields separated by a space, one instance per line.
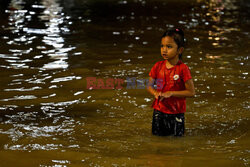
x=49 y=47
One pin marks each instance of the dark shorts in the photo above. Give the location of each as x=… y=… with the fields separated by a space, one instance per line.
x=168 y=124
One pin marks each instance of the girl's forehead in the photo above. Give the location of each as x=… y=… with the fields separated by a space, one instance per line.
x=168 y=39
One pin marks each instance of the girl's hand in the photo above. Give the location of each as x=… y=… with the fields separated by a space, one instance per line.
x=157 y=94
x=166 y=95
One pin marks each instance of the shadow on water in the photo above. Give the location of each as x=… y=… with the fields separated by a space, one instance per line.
x=50 y=47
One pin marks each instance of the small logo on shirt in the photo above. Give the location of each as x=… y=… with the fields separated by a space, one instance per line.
x=176 y=77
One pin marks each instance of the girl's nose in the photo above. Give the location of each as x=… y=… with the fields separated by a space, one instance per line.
x=164 y=49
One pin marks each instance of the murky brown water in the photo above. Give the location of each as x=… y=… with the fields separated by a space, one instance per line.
x=49 y=47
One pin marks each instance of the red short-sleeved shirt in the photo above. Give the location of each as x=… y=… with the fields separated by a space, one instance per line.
x=172 y=79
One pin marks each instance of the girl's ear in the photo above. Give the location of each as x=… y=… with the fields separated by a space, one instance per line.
x=180 y=50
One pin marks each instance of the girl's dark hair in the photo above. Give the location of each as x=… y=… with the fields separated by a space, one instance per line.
x=178 y=35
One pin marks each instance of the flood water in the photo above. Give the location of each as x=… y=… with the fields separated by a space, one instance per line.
x=49 y=48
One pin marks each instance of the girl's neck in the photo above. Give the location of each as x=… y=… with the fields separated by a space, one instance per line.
x=172 y=63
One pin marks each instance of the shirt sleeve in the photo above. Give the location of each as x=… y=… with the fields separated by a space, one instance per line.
x=186 y=73
x=153 y=72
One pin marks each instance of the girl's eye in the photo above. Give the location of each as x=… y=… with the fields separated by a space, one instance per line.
x=169 y=46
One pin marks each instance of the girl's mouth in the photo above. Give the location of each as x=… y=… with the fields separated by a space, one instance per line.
x=164 y=55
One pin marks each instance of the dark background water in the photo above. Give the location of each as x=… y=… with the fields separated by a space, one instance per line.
x=48 y=48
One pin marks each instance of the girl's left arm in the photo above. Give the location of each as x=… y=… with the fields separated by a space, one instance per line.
x=188 y=92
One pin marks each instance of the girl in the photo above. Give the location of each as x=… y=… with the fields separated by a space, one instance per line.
x=174 y=84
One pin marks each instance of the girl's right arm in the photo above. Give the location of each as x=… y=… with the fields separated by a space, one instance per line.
x=150 y=88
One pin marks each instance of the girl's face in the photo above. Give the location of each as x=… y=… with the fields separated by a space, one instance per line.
x=169 y=49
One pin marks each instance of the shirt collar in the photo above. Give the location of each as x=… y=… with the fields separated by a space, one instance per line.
x=178 y=63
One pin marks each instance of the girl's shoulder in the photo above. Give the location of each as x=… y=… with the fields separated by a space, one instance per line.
x=183 y=65
x=184 y=69
x=159 y=63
